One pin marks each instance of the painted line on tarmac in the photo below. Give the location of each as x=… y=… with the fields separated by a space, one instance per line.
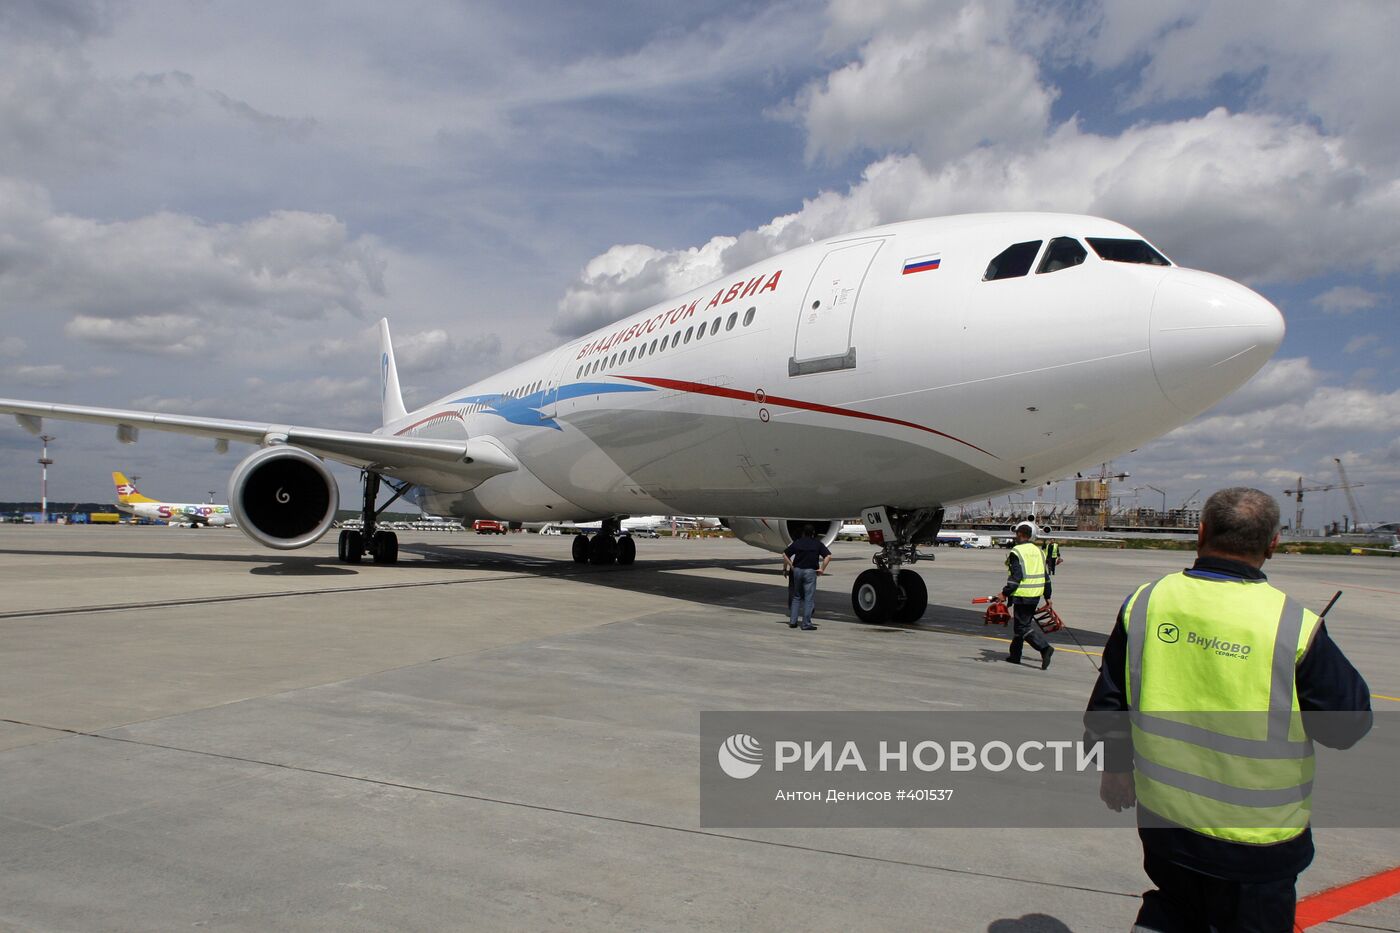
x=1334 y=902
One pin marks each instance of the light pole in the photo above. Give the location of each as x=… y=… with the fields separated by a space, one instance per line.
x=44 y=462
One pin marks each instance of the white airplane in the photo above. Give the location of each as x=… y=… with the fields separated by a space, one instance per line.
x=886 y=374
x=130 y=500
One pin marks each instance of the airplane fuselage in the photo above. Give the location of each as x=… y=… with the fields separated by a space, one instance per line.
x=883 y=367
x=197 y=513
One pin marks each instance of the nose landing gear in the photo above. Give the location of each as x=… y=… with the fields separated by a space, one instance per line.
x=890 y=593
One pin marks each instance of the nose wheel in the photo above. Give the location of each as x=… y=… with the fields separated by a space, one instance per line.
x=890 y=593
x=878 y=597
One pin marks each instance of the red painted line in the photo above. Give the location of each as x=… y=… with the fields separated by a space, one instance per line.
x=721 y=392
x=1330 y=904
x=441 y=414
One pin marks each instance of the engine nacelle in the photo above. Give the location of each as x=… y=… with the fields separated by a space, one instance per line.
x=775 y=534
x=283 y=497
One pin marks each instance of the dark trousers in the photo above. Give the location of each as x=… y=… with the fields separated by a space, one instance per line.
x=1023 y=627
x=1186 y=901
x=1050 y=566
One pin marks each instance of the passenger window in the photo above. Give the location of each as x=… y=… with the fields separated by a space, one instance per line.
x=714 y=327
x=1012 y=262
x=748 y=316
x=1136 y=251
x=688 y=332
x=700 y=332
x=652 y=348
x=665 y=340
x=733 y=319
x=633 y=355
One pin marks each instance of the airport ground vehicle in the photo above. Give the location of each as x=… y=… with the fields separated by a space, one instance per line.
x=488 y=526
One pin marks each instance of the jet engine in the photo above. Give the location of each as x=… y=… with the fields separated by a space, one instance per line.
x=283 y=497
x=775 y=534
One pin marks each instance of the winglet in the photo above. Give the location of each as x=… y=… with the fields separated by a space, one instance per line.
x=126 y=492
x=391 y=396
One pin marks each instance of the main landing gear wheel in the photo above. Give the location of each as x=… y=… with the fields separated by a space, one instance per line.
x=384 y=547
x=580 y=549
x=626 y=550
x=350 y=547
x=912 y=598
x=602 y=549
x=873 y=596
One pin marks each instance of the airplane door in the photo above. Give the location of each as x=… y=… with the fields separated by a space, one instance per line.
x=558 y=375
x=823 y=340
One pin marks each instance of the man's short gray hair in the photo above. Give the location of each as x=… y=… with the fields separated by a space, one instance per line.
x=1240 y=520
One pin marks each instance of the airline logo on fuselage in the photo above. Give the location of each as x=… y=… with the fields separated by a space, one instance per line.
x=755 y=286
x=172 y=510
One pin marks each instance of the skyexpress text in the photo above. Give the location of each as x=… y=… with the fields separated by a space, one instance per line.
x=754 y=286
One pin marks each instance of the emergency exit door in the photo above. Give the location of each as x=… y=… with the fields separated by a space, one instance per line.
x=825 y=321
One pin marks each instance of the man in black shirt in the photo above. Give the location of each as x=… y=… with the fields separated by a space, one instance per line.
x=804 y=558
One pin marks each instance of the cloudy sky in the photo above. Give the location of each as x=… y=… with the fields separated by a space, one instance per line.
x=204 y=207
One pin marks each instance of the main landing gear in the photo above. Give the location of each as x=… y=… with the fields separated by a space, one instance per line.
x=608 y=546
x=890 y=593
x=382 y=546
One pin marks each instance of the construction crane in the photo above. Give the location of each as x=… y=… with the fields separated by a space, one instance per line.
x=1346 y=484
x=1297 y=493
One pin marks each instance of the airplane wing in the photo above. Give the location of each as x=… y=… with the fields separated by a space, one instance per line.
x=469 y=462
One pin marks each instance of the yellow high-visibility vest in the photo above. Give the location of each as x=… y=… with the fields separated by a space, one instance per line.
x=1032 y=570
x=1218 y=741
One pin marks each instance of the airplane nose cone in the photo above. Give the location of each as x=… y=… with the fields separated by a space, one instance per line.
x=1209 y=335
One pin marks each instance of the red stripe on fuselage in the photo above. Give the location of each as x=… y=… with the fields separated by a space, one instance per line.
x=441 y=414
x=721 y=392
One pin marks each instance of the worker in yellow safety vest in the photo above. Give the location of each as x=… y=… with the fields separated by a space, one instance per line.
x=1214 y=668
x=1026 y=583
x=1052 y=556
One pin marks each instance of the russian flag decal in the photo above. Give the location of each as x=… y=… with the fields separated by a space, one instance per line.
x=922 y=263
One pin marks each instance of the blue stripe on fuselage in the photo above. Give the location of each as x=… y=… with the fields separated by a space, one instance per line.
x=526 y=409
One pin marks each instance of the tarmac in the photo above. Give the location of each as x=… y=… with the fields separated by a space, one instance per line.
x=199 y=732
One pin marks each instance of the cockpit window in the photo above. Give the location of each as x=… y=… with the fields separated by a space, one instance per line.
x=1013 y=261
x=1114 y=250
x=1063 y=252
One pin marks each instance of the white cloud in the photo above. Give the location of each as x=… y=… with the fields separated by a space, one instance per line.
x=1281 y=380
x=171 y=270
x=324 y=400
x=938 y=79
x=170 y=334
x=1345 y=299
x=1203 y=189
x=41 y=376
x=1361 y=342
x=12 y=346
x=628 y=278
x=415 y=352
x=1340 y=67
